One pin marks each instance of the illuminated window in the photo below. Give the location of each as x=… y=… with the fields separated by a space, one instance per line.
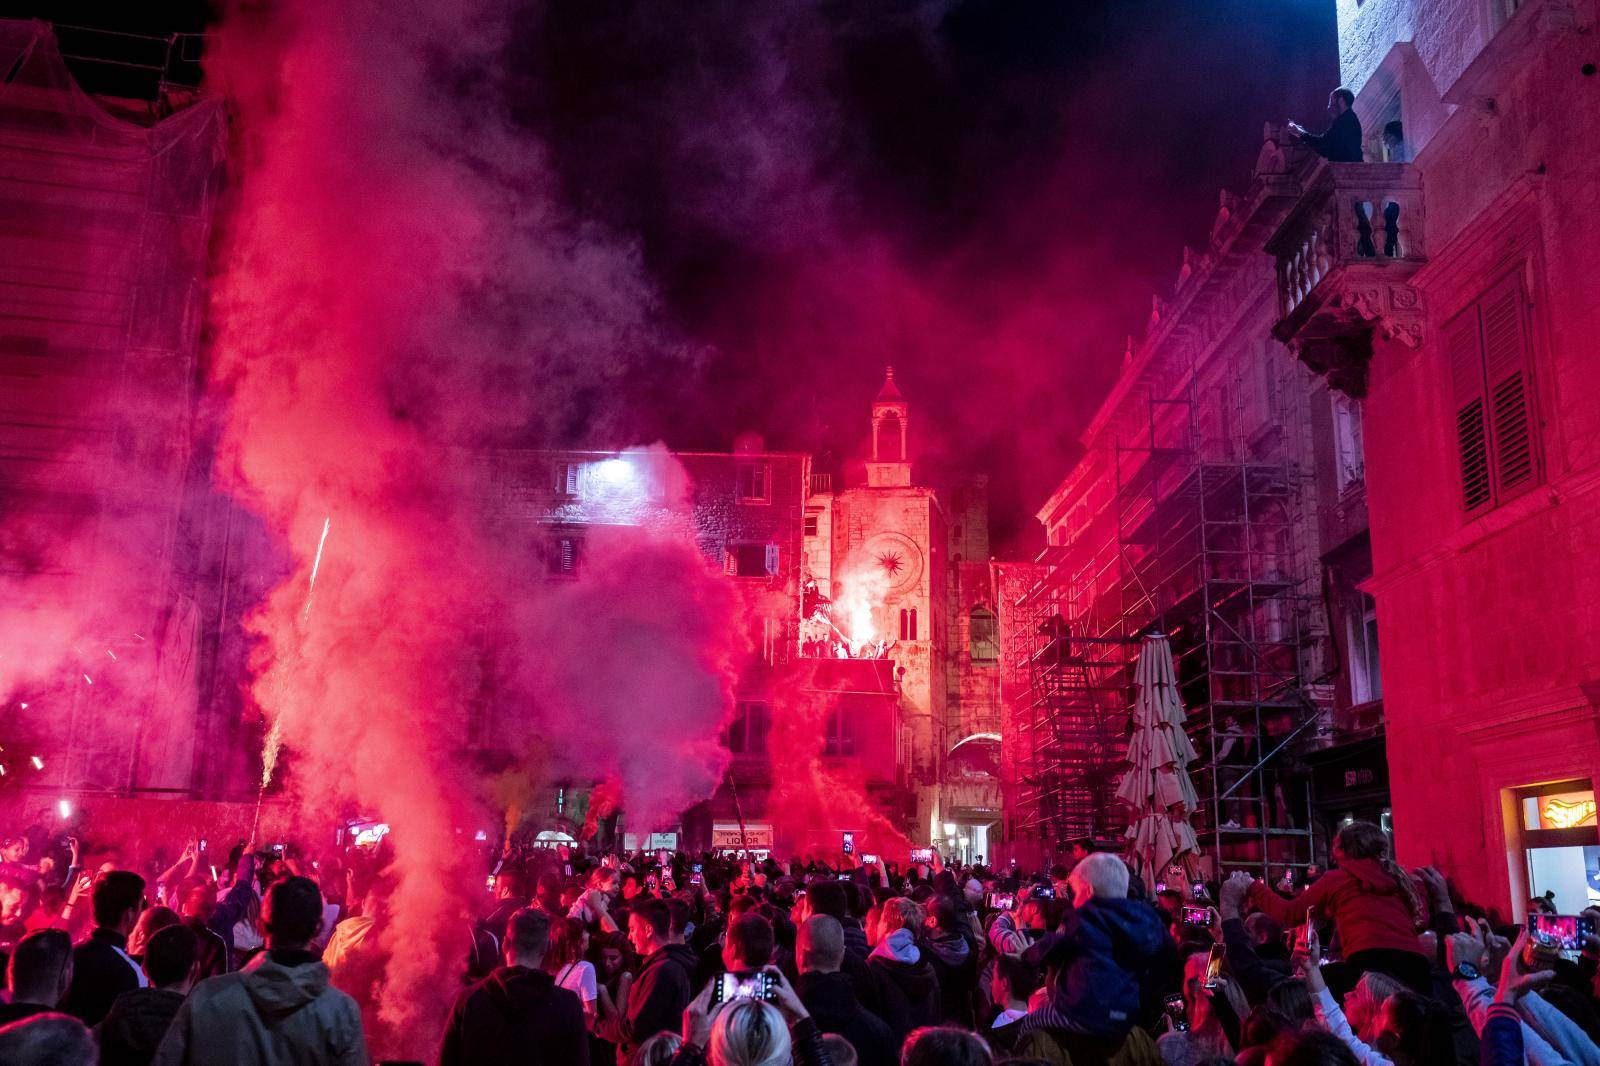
x=908 y=624
x=811 y=525
x=747 y=733
x=1572 y=809
x=985 y=636
x=754 y=483
x=564 y=478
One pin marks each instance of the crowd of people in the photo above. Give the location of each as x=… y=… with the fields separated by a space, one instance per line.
x=587 y=957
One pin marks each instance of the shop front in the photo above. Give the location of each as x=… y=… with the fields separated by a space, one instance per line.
x=1556 y=837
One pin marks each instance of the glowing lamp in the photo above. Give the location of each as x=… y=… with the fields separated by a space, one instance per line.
x=949 y=829
x=65 y=807
x=38 y=763
x=615 y=471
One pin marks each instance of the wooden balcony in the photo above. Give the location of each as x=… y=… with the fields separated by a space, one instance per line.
x=1345 y=256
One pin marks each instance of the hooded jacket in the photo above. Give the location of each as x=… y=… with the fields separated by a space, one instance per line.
x=516 y=1015
x=831 y=1001
x=659 y=994
x=1102 y=952
x=279 y=1009
x=955 y=964
x=133 y=1030
x=904 y=985
x=1366 y=905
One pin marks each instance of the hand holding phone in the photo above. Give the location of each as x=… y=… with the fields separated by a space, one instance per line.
x=1177 y=1016
x=727 y=987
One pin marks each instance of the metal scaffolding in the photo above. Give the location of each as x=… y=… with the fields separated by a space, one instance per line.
x=1198 y=542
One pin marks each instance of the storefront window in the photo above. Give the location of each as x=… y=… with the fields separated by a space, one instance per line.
x=1561 y=845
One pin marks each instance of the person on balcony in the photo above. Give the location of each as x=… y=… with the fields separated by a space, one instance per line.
x=1341 y=141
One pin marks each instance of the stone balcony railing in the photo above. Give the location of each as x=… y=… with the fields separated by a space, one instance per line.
x=1345 y=254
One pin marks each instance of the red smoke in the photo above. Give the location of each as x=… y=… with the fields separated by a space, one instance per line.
x=812 y=798
x=398 y=296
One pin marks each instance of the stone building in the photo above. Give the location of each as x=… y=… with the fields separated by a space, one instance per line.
x=1194 y=511
x=875 y=597
x=1452 y=292
x=920 y=552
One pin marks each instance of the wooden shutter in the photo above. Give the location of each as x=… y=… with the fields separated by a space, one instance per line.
x=1463 y=353
x=1510 y=389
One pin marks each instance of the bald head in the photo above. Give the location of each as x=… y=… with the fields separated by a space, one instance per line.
x=819 y=946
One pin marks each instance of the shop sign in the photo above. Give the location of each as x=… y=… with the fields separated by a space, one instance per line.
x=756 y=835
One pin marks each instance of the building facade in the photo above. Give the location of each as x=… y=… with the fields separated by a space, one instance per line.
x=1448 y=287
x=110 y=204
x=870 y=599
x=1193 y=512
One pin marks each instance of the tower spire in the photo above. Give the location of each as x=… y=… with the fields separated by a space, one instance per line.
x=890 y=391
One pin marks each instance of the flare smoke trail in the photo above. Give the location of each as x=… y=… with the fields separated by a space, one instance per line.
x=399 y=295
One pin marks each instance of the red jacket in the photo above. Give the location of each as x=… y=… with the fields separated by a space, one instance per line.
x=1364 y=902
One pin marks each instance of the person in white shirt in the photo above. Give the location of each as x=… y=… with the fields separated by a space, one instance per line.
x=569 y=942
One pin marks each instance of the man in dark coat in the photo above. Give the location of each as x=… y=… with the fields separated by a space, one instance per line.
x=517 y=1014
x=661 y=990
x=1341 y=142
x=101 y=968
x=139 y=1019
x=829 y=995
x=38 y=976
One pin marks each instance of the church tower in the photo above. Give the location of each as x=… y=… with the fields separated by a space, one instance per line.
x=890 y=464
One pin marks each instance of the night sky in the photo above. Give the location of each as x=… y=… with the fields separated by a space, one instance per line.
x=984 y=193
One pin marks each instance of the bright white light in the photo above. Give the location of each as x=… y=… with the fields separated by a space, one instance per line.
x=65 y=807
x=38 y=763
x=480 y=835
x=949 y=829
x=614 y=471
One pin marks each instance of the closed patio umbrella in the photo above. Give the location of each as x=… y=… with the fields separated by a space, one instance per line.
x=1156 y=785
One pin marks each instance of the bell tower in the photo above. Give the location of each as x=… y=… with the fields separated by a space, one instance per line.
x=890 y=464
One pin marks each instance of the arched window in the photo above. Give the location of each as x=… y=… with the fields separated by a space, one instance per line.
x=908 y=624
x=889 y=447
x=984 y=639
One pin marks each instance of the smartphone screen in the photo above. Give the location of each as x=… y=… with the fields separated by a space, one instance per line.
x=1197 y=916
x=1002 y=901
x=1214 y=966
x=1564 y=932
x=1173 y=1006
x=1044 y=891
x=732 y=986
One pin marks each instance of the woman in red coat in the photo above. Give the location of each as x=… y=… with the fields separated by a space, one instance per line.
x=1376 y=906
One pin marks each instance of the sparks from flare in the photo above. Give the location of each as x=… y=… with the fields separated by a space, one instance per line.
x=273 y=745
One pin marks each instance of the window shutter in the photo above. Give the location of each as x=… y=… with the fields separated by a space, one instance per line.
x=1505 y=359
x=1464 y=359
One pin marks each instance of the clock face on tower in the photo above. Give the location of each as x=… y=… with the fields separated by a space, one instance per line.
x=895 y=556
